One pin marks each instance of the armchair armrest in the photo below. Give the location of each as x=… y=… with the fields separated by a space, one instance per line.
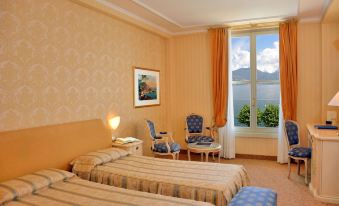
x=211 y=130
x=168 y=135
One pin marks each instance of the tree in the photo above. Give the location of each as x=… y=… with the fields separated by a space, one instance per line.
x=244 y=115
x=259 y=117
x=270 y=116
x=267 y=118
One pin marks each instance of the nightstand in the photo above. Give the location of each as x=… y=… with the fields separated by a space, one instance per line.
x=134 y=147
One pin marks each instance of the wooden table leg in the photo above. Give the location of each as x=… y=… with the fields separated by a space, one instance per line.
x=189 y=155
x=202 y=156
x=219 y=156
x=206 y=156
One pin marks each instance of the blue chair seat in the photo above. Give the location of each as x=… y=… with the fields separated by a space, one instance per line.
x=161 y=147
x=253 y=196
x=303 y=152
x=199 y=138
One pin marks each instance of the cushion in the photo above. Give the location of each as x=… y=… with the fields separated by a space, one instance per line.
x=300 y=152
x=199 y=138
x=292 y=132
x=194 y=123
x=253 y=196
x=18 y=187
x=162 y=148
x=151 y=128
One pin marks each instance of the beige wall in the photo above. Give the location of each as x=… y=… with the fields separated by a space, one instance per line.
x=62 y=62
x=190 y=81
x=330 y=66
x=256 y=146
x=309 y=76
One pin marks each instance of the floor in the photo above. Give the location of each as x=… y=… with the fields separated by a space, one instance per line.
x=270 y=174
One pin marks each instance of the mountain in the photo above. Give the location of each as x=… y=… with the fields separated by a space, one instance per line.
x=245 y=74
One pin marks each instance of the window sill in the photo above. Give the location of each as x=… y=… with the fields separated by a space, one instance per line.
x=270 y=133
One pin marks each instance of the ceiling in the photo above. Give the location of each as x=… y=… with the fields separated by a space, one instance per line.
x=185 y=16
x=332 y=13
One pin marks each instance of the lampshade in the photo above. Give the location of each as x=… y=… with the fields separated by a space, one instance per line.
x=114 y=122
x=335 y=100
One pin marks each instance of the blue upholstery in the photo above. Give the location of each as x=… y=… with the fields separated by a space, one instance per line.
x=303 y=152
x=194 y=123
x=199 y=138
x=161 y=147
x=291 y=132
x=253 y=196
x=151 y=128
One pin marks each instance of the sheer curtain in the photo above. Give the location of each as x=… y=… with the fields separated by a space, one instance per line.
x=282 y=144
x=226 y=133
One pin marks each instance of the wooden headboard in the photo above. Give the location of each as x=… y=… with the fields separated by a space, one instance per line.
x=25 y=151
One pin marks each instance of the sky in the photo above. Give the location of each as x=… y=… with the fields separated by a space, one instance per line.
x=267 y=49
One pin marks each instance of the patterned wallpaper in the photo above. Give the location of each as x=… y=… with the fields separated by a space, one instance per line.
x=61 y=62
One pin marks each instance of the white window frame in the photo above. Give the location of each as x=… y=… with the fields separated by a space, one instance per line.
x=254 y=130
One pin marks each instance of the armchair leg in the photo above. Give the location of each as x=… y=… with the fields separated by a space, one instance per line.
x=306 y=172
x=298 y=162
x=289 y=167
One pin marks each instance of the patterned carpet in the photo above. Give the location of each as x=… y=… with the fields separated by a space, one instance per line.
x=270 y=174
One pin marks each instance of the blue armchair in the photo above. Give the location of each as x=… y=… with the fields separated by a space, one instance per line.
x=195 y=130
x=295 y=151
x=160 y=143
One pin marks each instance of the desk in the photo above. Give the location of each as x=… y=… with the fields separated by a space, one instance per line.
x=325 y=164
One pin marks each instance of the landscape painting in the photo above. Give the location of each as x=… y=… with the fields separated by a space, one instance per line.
x=146 y=87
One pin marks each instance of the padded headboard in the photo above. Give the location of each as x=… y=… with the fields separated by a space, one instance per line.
x=25 y=151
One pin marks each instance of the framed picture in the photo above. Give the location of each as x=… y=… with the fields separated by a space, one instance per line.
x=146 y=87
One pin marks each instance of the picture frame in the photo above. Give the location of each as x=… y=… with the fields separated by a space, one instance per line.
x=146 y=87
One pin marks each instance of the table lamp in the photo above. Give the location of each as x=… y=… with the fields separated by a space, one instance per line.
x=114 y=124
x=335 y=102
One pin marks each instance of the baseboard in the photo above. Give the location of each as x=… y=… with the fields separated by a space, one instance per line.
x=258 y=157
x=243 y=156
x=327 y=199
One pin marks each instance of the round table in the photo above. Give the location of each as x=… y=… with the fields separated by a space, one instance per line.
x=204 y=149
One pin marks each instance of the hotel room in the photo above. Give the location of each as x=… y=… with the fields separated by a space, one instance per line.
x=169 y=102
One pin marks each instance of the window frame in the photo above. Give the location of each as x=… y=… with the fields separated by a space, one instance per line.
x=254 y=130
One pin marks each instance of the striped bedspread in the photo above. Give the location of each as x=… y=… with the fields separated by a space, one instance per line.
x=57 y=187
x=208 y=182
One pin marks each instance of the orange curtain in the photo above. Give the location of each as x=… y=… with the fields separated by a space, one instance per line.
x=219 y=44
x=288 y=68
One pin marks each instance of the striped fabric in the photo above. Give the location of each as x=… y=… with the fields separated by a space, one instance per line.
x=83 y=165
x=209 y=182
x=57 y=187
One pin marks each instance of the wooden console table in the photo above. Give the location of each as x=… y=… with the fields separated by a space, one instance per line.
x=325 y=164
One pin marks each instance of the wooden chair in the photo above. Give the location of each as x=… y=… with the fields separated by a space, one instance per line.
x=195 y=130
x=160 y=143
x=296 y=152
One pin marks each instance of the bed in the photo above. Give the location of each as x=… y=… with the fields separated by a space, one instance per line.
x=59 y=187
x=209 y=182
x=55 y=146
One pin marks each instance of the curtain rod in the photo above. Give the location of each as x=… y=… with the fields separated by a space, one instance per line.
x=252 y=26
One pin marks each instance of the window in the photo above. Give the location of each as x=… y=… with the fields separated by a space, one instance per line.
x=256 y=85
